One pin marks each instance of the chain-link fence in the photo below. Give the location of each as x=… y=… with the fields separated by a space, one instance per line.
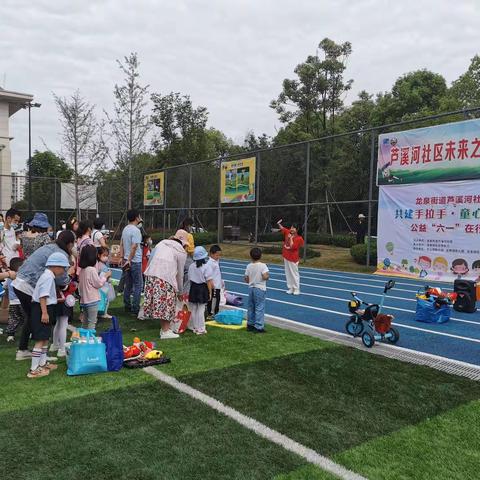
x=321 y=185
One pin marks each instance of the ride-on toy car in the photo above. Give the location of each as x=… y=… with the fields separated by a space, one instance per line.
x=370 y=323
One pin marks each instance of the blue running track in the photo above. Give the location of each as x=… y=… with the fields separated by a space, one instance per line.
x=323 y=303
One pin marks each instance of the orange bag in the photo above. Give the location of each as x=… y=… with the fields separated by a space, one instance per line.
x=183 y=316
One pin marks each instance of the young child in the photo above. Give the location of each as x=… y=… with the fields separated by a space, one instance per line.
x=89 y=285
x=102 y=269
x=214 y=264
x=256 y=275
x=146 y=250
x=43 y=310
x=201 y=286
x=15 y=311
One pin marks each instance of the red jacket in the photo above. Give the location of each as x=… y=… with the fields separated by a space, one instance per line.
x=291 y=246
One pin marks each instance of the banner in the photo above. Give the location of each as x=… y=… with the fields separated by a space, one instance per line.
x=87 y=196
x=431 y=233
x=238 y=181
x=153 y=189
x=433 y=154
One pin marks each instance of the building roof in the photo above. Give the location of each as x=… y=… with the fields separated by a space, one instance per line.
x=16 y=100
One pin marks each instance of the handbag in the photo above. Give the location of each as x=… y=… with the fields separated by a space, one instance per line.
x=87 y=355
x=428 y=312
x=103 y=303
x=113 y=340
x=111 y=295
x=183 y=317
x=230 y=317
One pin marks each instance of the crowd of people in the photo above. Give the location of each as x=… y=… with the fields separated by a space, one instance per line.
x=44 y=273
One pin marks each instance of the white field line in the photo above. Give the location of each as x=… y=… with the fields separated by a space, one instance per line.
x=329 y=280
x=443 y=334
x=258 y=428
x=338 y=274
x=343 y=300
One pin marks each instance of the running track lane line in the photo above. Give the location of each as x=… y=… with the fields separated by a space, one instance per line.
x=343 y=300
x=451 y=335
x=259 y=428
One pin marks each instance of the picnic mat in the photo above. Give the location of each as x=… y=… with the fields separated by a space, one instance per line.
x=213 y=323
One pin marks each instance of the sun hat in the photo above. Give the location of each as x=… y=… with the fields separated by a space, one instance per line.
x=361 y=215
x=199 y=254
x=39 y=220
x=182 y=235
x=57 y=259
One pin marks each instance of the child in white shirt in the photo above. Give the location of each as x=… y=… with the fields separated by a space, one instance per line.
x=256 y=275
x=214 y=264
x=43 y=313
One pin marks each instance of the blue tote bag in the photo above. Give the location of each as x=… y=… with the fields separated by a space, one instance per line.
x=113 y=340
x=87 y=357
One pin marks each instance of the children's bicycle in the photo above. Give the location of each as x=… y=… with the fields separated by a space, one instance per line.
x=370 y=323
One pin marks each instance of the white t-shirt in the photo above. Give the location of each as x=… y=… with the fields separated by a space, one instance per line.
x=214 y=266
x=45 y=287
x=200 y=275
x=9 y=240
x=254 y=273
x=97 y=235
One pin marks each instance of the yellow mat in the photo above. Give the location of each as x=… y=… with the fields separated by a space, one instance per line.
x=213 y=323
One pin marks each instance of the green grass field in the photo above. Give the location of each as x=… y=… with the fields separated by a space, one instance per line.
x=378 y=417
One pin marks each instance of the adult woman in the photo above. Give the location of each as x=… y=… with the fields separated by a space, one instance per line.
x=292 y=242
x=97 y=236
x=27 y=277
x=37 y=235
x=164 y=281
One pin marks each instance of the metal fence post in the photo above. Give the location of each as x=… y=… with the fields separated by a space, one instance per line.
x=307 y=199
x=55 y=204
x=190 y=191
x=373 y=133
x=165 y=176
x=219 y=204
x=257 y=195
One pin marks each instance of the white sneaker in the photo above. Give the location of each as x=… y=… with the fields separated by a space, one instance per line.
x=52 y=359
x=296 y=292
x=53 y=348
x=289 y=292
x=168 y=334
x=23 y=355
x=10 y=339
x=61 y=353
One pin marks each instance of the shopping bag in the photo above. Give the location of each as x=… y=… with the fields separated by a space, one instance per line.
x=103 y=304
x=183 y=317
x=428 y=312
x=113 y=340
x=87 y=355
x=229 y=317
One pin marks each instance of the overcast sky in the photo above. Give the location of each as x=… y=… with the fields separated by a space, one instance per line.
x=230 y=56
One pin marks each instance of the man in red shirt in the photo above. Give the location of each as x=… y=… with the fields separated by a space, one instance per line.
x=292 y=242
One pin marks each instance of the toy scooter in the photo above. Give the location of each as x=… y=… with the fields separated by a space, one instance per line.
x=370 y=323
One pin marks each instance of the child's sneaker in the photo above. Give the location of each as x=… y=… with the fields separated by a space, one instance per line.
x=168 y=334
x=10 y=339
x=49 y=366
x=200 y=332
x=39 y=372
x=61 y=353
x=53 y=348
x=23 y=355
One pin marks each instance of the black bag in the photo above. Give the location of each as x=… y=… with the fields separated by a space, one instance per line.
x=466 y=296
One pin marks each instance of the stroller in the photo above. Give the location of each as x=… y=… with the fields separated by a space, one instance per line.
x=370 y=323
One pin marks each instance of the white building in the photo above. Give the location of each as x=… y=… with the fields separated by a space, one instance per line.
x=10 y=103
x=18 y=185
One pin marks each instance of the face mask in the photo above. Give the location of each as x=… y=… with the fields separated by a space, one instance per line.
x=104 y=259
x=50 y=234
x=140 y=224
x=64 y=227
x=1 y=225
x=149 y=243
x=14 y=225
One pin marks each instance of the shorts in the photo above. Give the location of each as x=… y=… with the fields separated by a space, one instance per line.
x=42 y=331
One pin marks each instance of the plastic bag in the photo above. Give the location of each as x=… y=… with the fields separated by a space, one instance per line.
x=103 y=304
x=233 y=300
x=183 y=317
x=428 y=312
x=113 y=340
x=111 y=295
x=87 y=355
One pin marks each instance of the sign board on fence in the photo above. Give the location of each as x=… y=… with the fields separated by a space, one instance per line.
x=432 y=232
x=433 y=154
x=87 y=196
x=154 y=189
x=237 y=181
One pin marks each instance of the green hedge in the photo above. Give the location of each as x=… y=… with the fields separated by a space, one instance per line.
x=277 y=250
x=359 y=253
x=345 y=241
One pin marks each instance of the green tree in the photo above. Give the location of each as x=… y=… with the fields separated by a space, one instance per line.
x=48 y=171
x=465 y=91
x=314 y=98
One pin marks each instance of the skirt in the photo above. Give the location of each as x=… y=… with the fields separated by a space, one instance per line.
x=160 y=299
x=198 y=293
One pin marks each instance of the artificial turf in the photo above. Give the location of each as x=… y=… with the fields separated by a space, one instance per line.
x=382 y=418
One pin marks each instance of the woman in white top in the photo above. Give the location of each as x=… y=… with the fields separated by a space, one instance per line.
x=98 y=238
